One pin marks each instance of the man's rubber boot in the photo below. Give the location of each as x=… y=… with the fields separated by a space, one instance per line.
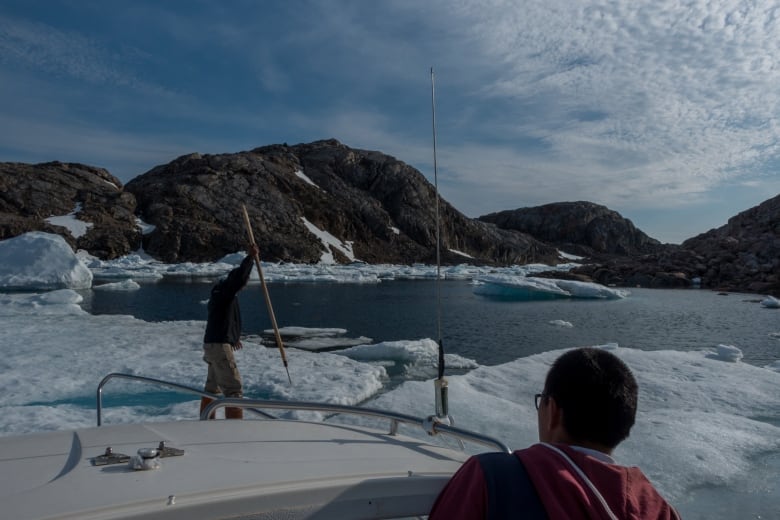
x=234 y=413
x=204 y=402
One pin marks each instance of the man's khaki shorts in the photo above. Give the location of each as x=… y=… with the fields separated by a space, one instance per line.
x=223 y=376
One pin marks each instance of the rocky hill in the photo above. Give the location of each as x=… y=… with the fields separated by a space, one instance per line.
x=324 y=199
x=370 y=205
x=743 y=255
x=581 y=228
x=745 y=252
x=29 y=194
x=375 y=206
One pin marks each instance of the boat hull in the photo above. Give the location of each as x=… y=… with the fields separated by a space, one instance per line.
x=254 y=468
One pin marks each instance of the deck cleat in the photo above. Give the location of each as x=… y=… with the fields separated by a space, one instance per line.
x=109 y=457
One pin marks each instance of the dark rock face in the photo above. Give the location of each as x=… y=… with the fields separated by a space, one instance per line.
x=745 y=253
x=669 y=267
x=384 y=208
x=581 y=228
x=380 y=208
x=742 y=255
x=29 y=194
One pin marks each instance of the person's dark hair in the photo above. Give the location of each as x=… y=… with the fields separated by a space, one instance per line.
x=597 y=393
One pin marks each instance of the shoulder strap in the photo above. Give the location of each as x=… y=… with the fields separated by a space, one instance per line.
x=510 y=492
x=584 y=478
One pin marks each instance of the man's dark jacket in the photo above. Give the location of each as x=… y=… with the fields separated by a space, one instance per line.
x=224 y=319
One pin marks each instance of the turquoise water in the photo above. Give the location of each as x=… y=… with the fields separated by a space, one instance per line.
x=486 y=330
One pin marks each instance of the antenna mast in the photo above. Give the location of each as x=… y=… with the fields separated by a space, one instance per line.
x=440 y=384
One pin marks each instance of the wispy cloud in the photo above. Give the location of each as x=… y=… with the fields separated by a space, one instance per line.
x=125 y=155
x=635 y=104
x=674 y=91
x=44 y=49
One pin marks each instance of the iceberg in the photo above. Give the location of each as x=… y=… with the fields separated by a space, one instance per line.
x=513 y=287
x=41 y=261
x=771 y=302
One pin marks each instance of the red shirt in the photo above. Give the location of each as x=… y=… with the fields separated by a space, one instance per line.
x=562 y=492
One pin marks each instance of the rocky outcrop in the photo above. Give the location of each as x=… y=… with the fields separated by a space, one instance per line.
x=669 y=267
x=615 y=252
x=745 y=253
x=581 y=228
x=31 y=193
x=380 y=208
x=324 y=198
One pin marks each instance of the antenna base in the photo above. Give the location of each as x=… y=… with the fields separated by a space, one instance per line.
x=442 y=404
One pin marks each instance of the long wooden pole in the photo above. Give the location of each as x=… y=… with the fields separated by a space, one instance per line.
x=278 y=336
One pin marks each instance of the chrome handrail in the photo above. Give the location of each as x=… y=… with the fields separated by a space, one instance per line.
x=143 y=379
x=430 y=425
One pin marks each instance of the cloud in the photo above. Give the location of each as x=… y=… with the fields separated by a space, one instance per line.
x=634 y=104
x=669 y=90
x=44 y=49
x=124 y=155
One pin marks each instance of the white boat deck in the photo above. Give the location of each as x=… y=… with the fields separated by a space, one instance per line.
x=258 y=469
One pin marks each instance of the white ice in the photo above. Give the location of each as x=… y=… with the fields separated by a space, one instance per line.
x=533 y=288
x=707 y=432
x=21 y=268
x=705 y=419
x=314 y=339
x=771 y=302
x=321 y=343
x=41 y=261
x=307 y=180
x=562 y=323
x=329 y=242
x=311 y=332
x=76 y=227
x=124 y=285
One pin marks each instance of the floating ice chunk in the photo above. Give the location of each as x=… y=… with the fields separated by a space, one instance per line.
x=423 y=353
x=561 y=323
x=323 y=343
x=59 y=302
x=532 y=288
x=41 y=261
x=124 y=285
x=728 y=353
x=314 y=339
x=771 y=302
x=307 y=331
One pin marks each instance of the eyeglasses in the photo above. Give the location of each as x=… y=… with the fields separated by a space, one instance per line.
x=538 y=399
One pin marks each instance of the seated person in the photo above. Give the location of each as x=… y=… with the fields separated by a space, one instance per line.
x=586 y=409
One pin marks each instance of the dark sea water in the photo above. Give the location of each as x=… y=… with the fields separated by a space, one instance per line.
x=487 y=330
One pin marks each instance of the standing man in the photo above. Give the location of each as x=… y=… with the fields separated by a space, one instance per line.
x=223 y=336
x=587 y=408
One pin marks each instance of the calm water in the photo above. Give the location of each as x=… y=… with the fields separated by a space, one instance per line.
x=487 y=330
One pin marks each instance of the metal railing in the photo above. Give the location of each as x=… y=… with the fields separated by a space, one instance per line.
x=431 y=425
x=159 y=382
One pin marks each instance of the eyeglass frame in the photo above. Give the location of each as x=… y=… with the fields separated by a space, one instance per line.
x=538 y=399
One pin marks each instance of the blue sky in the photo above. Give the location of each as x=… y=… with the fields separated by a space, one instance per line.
x=665 y=111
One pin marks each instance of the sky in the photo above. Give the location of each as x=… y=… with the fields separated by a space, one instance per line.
x=707 y=431
x=665 y=111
